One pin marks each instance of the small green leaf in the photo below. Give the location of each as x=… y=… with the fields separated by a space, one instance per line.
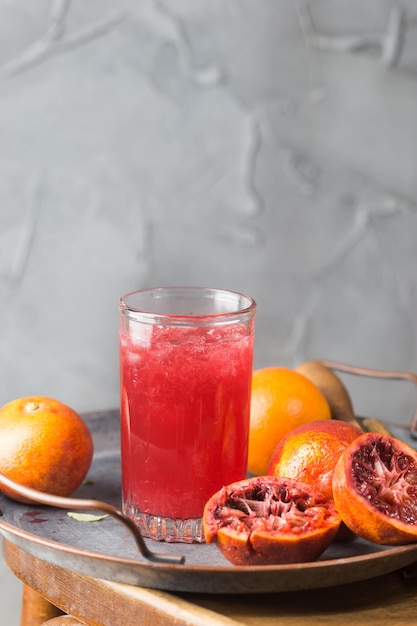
x=86 y=517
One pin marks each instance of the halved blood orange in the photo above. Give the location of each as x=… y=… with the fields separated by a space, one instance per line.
x=375 y=489
x=268 y=520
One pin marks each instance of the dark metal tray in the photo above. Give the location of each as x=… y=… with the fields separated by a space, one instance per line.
x=106 y=549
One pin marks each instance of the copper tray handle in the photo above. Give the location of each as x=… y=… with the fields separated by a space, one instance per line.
x=375 y=373
x=81 y=504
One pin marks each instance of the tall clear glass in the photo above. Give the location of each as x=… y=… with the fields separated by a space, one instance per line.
x=186 y=360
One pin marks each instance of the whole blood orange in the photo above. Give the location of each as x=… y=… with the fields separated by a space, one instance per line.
x=267 y=520
x=281 y=400
x=44 y=444
x=310 y=452
x=375 y=489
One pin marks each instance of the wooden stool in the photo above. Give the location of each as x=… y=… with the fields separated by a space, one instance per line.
x=51 y=591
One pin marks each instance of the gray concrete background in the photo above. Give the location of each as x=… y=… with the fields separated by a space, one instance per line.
x=265 y=146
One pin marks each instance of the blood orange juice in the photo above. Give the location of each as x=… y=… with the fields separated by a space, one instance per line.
x=185 y=399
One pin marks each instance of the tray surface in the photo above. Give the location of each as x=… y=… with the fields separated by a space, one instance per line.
x=106 y=549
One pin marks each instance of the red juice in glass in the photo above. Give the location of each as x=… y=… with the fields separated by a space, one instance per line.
x=185 y=400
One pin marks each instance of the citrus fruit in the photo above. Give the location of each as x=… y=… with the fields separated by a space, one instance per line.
x=44 y=444
x=281 y=399
x=375 y=489
x=310 y=452
x=332 y=387
x=268 y=520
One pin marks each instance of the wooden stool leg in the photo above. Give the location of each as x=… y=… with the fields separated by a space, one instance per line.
x=35 y=609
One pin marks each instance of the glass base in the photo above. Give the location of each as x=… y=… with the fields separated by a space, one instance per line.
x=165 y=528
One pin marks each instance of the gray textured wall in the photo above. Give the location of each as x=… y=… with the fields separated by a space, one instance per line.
x=266 y=146
x=263 y=146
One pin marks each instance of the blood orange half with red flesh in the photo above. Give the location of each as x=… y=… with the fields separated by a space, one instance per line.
x=375 y=489
x=268 y=520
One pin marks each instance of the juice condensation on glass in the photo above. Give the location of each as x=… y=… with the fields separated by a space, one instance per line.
x=184 y=415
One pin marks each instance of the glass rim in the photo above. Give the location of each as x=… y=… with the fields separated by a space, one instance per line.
x=210 y=293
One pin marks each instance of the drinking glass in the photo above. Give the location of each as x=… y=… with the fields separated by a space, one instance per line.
x=186 y=360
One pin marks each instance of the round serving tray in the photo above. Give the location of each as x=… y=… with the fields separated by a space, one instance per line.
x=106 y=549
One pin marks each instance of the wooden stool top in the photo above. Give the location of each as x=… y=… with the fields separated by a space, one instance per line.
x=387 y=599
